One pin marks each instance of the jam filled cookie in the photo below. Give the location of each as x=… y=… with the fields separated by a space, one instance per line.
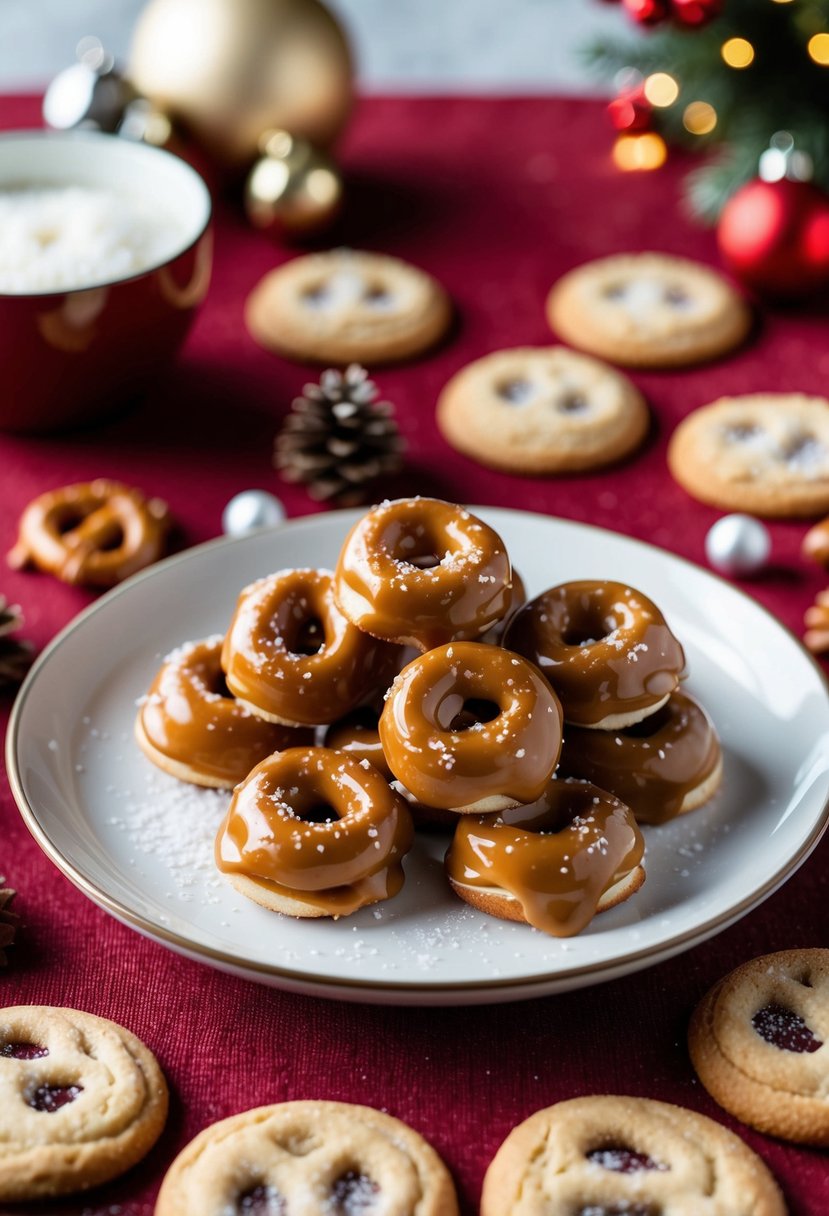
x=290 y=656
x=421 y=572
x=765 y=453
x=97 y=533
x=346 y=306
x=609 y=1156
x=648 y=310
x=758 y=1041
x=314 y=832
x=317 y=1158
x=605 y=648
x=542 y=410
x=81 y=1101
x=666 y=765
x=471 y=728
x=554 y=864
x=190 y=725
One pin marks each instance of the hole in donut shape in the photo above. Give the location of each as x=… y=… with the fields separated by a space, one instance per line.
x=318 y=812
x=308 y=639
x=353 y=1193
x=20 y=1050
x=615 y=291
x=416 y=548
x=650 y=726
x=623 y=1208
x=804 y=979
x=621 y=1159
x=515 y=391
x=261 y=1201
x=785 y=1029
x=474 y=712
x=587 y=626
x=316 y=296
x=50 y=1098
x=572 y=403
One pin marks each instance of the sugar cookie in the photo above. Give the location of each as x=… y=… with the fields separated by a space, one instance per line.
x=607 y=1155
x=758 y=1041
x=81 y=1101
x=765 y=453
x=541 y=410
x=318 y=1158
x=648 y=310
x=347 y=306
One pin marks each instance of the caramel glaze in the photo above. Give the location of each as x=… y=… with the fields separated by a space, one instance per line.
x=358 y=735
x=292 y=656
x=508 y=757
x=557 y=857
x=651 y=766
x=422 y=572
x=190 y=719
x=604 y=647
x=518 y=597
x=320 y=826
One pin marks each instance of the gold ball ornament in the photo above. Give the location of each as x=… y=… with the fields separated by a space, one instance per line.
x=293 y=190
x=230 y=69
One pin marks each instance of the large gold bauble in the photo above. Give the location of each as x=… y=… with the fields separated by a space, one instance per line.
x=230 y=69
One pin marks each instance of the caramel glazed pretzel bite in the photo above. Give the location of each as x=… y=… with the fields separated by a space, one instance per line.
x=311 y=1158
x=81 y=1101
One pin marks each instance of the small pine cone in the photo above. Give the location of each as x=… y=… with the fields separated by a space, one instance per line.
x=8 y=922
x=15 y=655
x=816 y=621
x=338 y=438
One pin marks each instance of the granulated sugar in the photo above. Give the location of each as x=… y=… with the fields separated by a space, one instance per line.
x=64 y=238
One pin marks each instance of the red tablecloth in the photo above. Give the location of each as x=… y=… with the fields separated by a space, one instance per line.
x=495 y=197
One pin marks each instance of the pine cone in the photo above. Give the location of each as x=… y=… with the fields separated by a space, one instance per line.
x=8 y=922
x=816 y=621
x=15 y=656
x=338 y=437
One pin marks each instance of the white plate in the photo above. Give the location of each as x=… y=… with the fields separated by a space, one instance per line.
x=139 y=843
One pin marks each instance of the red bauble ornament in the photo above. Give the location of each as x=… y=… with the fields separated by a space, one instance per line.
x=647 y=12
x=695 y=12
x=631 y=110
x=775 y=237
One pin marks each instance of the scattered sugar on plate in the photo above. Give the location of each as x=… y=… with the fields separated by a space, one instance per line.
x=65 y=238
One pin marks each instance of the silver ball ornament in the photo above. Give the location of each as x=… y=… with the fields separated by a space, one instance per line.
x=738 y=545
x=250 y=511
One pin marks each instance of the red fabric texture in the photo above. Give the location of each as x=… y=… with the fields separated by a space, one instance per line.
x=496 y=198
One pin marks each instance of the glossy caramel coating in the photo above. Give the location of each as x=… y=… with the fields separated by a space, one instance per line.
x=191 y=727
x=358 y=735
x=422 y=572
x=318 y=827
x=518 y=597
x=604 y=647
x=96 y=533
x=292 y=656
x=503 y=756
x=557 y=858
x=657 y=766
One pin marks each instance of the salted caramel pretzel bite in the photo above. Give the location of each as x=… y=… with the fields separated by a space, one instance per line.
x=604 y=647
x=666 y=765
x=315 y=832
x=97 y=533
x=553 y=864
x=312 y=1158
x=190 y=725
x=292 y=657
x=471 y=728
x=422 y=572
